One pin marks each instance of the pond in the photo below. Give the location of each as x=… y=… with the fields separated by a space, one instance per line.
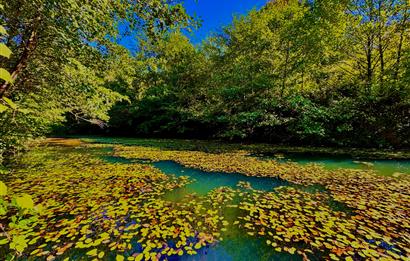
x=144 y=200
x=236 y=244
x=386 y=167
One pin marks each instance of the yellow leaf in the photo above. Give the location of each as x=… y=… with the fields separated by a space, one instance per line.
x=25 y=201
x=197 y=245
x=5 y=75
x=92 y=252
x=101 y=254
x=4 y=50
x=119 y=258
x=292 y=250
x=3 y=189
x=10 y=103
x=3 y=30
x=3 y=108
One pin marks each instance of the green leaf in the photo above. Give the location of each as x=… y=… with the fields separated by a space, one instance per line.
x=4 y=50
x=198 y=245
x=92 y=252
x=10 y=103
x=3 y=30
x=24 y=111
x=25 y=201
x=3 y=210
x=5 y=75
x=19 y=243
x=3 y=189
x=3 y=108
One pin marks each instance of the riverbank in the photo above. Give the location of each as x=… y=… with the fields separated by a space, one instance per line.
x=263 y=148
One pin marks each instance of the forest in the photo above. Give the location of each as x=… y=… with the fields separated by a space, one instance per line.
x=332 y=73
x=302 y=74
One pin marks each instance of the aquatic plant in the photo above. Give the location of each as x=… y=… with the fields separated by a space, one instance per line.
x=299 y=222
x=381 y=205
x=93 y=208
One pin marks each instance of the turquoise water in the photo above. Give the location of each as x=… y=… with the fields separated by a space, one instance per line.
x=204 y=181
x=385 y=167
x=236 y=244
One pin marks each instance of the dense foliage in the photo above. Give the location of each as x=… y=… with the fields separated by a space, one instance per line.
x=332 y=72
x=300 y=72
x=65 y=57
x=296 y=72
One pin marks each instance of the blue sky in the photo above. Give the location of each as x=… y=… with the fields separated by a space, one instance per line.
x=217 y=13
x=214 y=15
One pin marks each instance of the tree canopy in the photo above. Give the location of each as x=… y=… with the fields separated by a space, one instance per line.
x=65 y=57
x=298 y=72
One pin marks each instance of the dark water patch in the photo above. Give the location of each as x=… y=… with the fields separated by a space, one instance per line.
x=239 y=247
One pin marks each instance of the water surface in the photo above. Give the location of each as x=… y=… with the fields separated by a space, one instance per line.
x=385 y=167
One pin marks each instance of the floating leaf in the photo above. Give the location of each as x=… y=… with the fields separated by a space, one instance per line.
x=92 y=252
x=25 y=201
x=3 y=189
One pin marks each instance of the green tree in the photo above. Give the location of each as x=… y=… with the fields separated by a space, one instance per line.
x=63 y=54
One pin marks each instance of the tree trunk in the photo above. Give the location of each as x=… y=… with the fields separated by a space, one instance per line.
x=285 y=70
x=369 y=73
x=398 y=59
x=380 y=39
x=22 y=62
x=400 y=46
